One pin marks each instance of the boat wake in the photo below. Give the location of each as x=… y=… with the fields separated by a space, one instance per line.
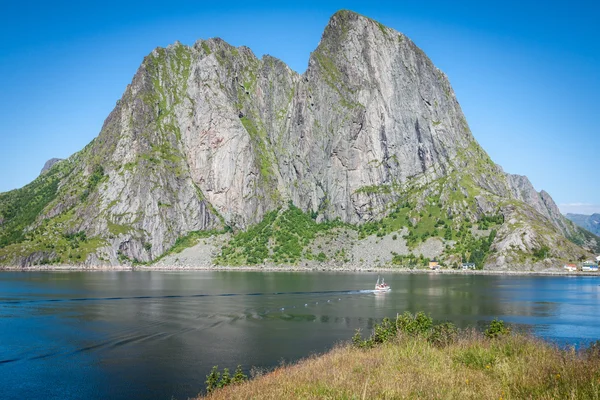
x=322 y=292
x=184 y=318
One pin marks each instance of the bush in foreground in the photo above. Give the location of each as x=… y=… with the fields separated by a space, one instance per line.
x=417 y=325
x=217 y=380
x=496 y=329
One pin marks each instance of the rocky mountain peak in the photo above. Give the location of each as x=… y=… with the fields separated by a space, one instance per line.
x=49 y=164
x=210 y=138
x=338 y=26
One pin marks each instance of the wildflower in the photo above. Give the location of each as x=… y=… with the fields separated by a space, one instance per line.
x=488 y=366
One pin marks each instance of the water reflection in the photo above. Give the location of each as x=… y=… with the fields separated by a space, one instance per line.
x=156 y=335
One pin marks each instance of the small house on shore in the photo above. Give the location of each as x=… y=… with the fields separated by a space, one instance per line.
x=434 y=265
x=589 y=266
x=570 y=267
x=467 y=266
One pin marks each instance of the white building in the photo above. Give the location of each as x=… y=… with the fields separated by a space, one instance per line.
x=589 y=266
x=570 y=267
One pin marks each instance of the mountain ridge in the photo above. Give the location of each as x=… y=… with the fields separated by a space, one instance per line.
x=210 y=138
x=589 y=222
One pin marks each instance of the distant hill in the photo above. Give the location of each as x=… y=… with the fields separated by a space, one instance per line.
x=589 y=222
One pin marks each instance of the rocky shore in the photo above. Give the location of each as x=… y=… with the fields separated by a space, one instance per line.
x=290 y=268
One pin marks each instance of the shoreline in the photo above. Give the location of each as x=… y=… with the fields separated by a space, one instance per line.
x=266 y=268
x=431 y=360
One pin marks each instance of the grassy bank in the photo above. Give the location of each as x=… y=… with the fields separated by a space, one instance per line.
x=425 y=362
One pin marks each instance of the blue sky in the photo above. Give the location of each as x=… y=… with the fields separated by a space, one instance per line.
x=525 y=72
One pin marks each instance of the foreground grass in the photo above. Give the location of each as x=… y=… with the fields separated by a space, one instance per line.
x=408 y=366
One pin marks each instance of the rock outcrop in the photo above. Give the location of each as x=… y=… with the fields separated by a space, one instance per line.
x=209 y=137
x=49 y=164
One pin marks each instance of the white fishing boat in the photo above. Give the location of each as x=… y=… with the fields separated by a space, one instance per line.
x=382 y=287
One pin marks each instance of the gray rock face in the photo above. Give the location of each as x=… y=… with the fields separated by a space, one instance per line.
x=209 y=136
x=523 y=190
x=588 y=222
x=370 y=111
x=49 y=164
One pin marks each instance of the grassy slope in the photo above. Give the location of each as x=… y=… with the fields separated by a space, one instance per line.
x=282 y=237
x=474 y=367
x=20 y=208
x=55 y=240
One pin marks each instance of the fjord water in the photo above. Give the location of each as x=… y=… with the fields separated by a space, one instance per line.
x=155 y=335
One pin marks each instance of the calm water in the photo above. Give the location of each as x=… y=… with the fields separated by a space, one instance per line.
x=155 y=335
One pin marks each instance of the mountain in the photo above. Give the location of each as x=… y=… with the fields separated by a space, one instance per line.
x=49 y=164
x=588 y=222
x=369 y=144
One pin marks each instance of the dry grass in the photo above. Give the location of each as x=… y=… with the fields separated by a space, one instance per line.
x=512 y=367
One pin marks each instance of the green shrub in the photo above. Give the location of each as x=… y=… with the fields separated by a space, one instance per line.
x=225 y=378
x=239 y=376
x=541 y=253
x=496 y=329
x=217 y=380
x=212 y=379
x=418 y=324
x=384 y=331
x=443 y=334
x=358 y=341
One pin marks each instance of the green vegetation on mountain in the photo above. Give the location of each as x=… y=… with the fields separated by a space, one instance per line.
x=51 y=243
x=282 y=237
x=287 y=237
x=20 y=208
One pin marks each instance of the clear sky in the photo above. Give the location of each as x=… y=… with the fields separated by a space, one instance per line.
x=525 y=72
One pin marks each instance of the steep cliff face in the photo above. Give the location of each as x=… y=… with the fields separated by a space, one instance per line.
x=371 y=110
x=129 y=194
x=542 y=202
x=209 y=137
